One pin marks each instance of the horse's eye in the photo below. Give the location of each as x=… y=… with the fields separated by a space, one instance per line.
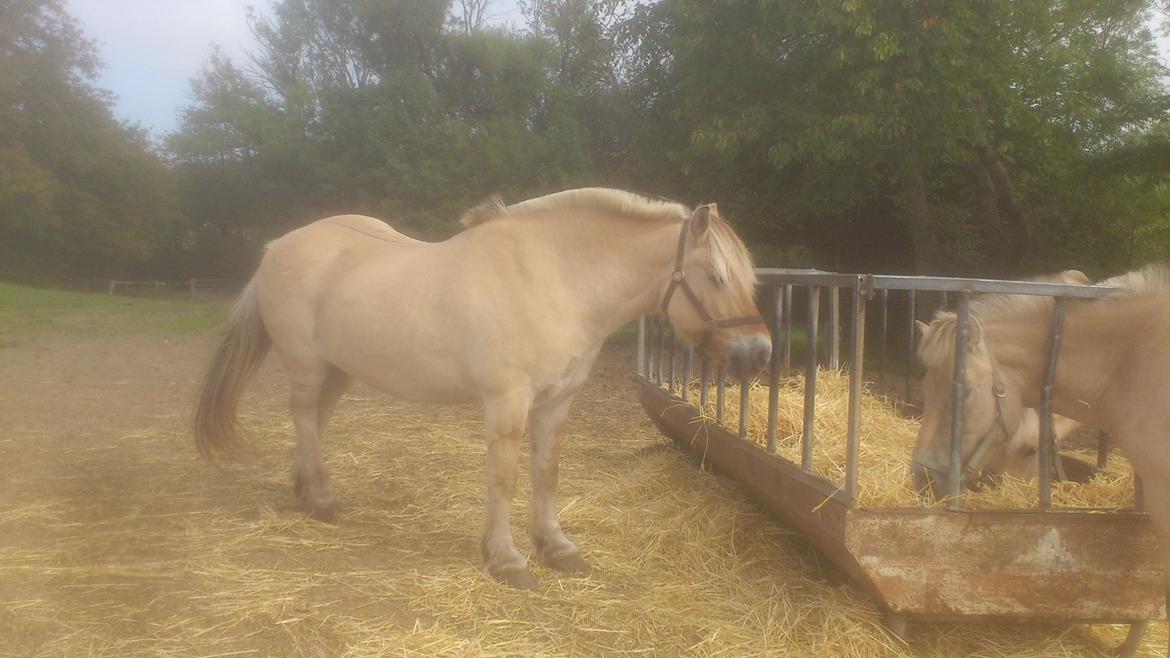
x=1029 y=450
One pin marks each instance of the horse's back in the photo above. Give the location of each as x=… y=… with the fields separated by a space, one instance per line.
x=301 y=267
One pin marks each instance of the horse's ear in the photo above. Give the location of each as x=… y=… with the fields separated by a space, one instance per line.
x=923 y=328
x=701 y=220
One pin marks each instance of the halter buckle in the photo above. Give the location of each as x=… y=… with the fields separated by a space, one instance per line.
x=678 y=274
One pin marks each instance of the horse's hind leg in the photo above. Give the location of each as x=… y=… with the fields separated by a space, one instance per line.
x=545 y=433
x=504 y=420
x=335 y=386
x=315 y=388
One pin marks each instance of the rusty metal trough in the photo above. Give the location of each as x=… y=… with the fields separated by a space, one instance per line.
x=918 y=563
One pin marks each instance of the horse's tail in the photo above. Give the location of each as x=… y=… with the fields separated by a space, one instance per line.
x=243 y=347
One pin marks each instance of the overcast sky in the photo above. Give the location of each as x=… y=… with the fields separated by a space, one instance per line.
x=153 y=48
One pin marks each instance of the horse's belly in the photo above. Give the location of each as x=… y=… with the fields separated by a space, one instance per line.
x=408 y=375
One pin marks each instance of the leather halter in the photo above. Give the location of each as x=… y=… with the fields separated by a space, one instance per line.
x=999 y=432
x=678 y=280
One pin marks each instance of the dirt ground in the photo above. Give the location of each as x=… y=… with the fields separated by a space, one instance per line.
x=115 y=539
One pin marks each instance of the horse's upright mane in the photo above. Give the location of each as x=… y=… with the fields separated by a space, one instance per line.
x=1153 y=279
x=939 y=343
x=731 y=260
x=596 y=198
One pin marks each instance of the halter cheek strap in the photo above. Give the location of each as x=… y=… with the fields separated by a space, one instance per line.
x=678 y=281
x=998 y=432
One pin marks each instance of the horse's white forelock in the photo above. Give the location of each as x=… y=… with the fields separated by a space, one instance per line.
x=730 y=258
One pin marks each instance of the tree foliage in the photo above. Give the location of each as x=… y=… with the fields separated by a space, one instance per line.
x=963 y=129
x=79 y=192
x=993 y=137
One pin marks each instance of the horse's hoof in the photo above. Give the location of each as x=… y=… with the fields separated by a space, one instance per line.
x=326 y=514
x=516 y=578
x=569 y=563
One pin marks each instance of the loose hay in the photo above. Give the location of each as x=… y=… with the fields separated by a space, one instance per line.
x=129 y=546
x=886 y=442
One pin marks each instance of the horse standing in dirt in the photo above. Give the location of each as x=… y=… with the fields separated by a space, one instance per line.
x=1113 y=373
x=511 y=312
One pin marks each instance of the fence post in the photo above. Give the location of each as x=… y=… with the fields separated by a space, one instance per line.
x=642 y=346
x=834 y=328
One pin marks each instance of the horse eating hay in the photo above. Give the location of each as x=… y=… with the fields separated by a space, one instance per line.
x=511 y=312
x=1111 y=374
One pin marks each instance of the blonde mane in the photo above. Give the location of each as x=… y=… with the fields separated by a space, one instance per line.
x=603 y=199
x=938 y=345
x=731 y=261
x=1153 y=279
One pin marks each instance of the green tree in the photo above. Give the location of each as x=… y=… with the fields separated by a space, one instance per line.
x=957 y=126
x=80 y=193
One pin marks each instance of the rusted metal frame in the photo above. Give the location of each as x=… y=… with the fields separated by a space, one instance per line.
x=810 y=380
x=744 y=407
x=856 y=383
x=704 y=382
x=640 y=365
x=958 y=391
x=774 y=368
x=1047 y=440
x=678 y=422
x=885 y=309
x=645 y=350
x=973 y=554
x=910 y=353
x=659 y=372
x=651 y=346
x=1133 y=640
x=767 y=276
x=720 y=394
x=673 y=359
x=834 y=327
x=955 y=284
x=787 y=317
x=688 y=366
x=1102 y=449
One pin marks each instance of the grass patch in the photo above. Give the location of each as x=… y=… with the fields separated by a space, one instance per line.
x=24 y=309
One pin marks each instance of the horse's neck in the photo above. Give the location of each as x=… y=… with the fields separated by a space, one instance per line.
x=614 y=269
x=1092 y=346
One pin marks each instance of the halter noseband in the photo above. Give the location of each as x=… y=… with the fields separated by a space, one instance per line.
x=678 y=279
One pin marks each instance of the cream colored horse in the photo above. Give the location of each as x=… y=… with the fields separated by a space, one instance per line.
x=1019 y=455
x=511 y=312
x=1113 y=373
x=1016 y=453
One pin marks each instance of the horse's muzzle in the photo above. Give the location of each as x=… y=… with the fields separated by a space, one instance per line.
x=928 y=480
x=748 y=355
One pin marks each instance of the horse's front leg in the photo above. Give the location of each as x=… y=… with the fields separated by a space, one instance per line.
x=547 y=423
x=504 y=419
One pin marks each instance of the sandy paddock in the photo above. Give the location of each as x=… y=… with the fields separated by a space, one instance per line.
x=116 y=540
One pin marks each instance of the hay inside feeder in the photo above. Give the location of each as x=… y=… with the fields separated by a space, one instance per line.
x=886 y=442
